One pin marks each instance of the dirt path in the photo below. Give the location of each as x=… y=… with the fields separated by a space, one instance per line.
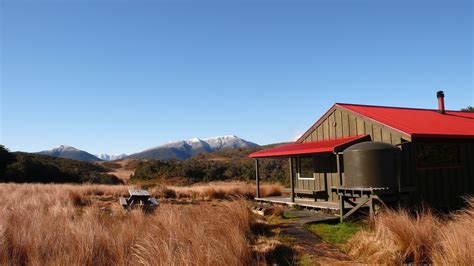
x=307 y=244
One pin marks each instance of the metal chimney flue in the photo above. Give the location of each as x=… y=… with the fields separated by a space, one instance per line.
x=440 y=96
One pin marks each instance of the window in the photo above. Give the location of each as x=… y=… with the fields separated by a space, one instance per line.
x=437 y=155
x=306 y=168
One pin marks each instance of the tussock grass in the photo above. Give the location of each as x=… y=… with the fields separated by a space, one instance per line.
x=218 y=190
x=455 y=242
x=400 y=237
x=64 y=225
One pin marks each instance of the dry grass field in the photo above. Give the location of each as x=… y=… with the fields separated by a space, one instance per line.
x=198 y=225
x=217 y=190
x=84 y=225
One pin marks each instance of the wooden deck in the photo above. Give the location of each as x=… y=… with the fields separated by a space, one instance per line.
x=301 y=202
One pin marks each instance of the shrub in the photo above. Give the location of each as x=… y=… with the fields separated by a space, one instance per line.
x=202 y=170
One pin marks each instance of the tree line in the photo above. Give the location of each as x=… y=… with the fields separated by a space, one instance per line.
x=228 y=164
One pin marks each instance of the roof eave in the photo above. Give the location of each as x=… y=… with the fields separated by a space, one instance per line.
x=335 y=148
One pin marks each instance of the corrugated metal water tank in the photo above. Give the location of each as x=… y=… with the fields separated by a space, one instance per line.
x=371 y=164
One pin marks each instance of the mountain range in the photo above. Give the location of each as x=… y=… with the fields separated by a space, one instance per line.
x=64 y=151
x=186 y=149
x=179 y=150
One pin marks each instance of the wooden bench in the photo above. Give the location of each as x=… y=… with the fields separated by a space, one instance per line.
x=138 y=198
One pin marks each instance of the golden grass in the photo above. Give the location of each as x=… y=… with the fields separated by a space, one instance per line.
x=65 y=225
x=218 y=190
x=455 y=242
x=399 y=237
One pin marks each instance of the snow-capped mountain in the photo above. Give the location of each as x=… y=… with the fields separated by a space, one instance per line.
x=110 y=157
x=185 y=149
x=229 y=141
x=179 y=150
x=64 y=151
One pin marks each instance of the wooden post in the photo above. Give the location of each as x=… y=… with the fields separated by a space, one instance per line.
x=292 y=180
x=257 y=177
x=339 y=168
x=341 y=206
x=371 y=206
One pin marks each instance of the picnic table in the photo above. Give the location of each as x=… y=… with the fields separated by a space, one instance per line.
x=138 y=198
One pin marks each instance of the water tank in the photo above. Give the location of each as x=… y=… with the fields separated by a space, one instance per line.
x=371 y=164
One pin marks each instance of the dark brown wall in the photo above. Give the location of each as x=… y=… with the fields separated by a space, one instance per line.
x=443 y=187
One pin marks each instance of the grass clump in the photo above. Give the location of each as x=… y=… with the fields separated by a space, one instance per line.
x=399 y=237
x=455 y=240
x=334 y=233
x=271 y=251
x=279 y=216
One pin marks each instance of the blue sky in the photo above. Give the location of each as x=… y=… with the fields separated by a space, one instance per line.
x=123 y=76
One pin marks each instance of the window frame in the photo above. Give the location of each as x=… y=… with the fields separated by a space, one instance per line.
x=298 y=172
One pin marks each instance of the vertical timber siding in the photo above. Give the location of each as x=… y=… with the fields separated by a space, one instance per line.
x=443 y=187
x=340 y=123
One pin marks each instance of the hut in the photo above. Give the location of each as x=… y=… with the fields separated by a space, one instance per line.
x=435 y=160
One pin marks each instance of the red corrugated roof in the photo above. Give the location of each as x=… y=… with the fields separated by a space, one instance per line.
x=419 y=123
x=307 y=147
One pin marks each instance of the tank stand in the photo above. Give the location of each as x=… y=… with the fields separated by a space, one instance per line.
x=368 y=197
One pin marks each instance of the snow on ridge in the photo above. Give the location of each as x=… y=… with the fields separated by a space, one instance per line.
x=212 y=143
x=222 y=137
x=194 y=140
x=111 y=157
x=62 y=148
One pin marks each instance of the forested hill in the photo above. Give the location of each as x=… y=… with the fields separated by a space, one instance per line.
x=26 y=167
x=226 y=164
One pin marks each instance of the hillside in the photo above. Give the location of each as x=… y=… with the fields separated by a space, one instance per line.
x=123 y=169
x=22 y=167
x=225 y=164
x=64 y=151
x=235 y=153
